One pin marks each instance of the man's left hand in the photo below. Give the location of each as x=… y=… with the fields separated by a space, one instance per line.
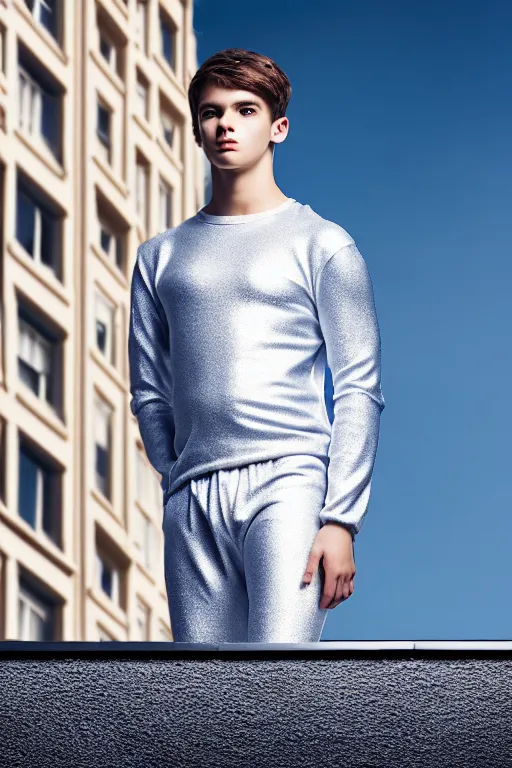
x=334 y=543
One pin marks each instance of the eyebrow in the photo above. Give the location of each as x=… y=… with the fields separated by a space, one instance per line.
x=236 y=104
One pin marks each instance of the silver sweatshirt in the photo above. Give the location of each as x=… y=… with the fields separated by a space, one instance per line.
x=232 y=321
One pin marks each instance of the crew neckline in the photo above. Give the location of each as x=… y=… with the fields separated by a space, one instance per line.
x=211 y=218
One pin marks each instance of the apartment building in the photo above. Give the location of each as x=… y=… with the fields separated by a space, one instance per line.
x=96 y=155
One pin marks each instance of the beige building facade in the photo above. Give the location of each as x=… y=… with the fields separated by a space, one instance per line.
x=96 y=155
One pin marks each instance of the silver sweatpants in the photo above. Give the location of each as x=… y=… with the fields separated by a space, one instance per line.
x=237 y=542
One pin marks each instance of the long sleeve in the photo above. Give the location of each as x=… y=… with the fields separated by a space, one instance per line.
x=150 y=370
x=346 y=312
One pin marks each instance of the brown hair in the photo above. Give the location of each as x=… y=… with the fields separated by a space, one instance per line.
x=239 y=69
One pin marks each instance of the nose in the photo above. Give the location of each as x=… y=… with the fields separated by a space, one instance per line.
x=224 y=127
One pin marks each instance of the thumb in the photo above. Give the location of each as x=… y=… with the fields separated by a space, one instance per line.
x=314 y=559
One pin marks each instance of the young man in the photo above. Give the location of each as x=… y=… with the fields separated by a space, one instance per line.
x=234 y=315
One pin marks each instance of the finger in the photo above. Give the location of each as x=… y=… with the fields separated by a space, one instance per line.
x=329 y=591
x=343 y=591
x=312 y=565
x=338 y=597
x=348 y=588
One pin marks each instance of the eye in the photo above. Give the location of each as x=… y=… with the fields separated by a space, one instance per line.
x=207 y=111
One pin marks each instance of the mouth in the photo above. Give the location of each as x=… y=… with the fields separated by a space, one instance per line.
x=226 y=144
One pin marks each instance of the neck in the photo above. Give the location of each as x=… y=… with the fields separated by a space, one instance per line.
x=239 y=194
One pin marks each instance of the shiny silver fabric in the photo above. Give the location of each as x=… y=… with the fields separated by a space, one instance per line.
x=237 y=543
x=232 y=318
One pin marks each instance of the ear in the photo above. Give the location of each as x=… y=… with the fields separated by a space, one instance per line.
x=280 y=130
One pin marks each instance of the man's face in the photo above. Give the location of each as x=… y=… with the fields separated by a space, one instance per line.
x=249 y=124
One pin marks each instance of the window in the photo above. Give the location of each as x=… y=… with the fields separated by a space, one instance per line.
x=112 y=244
x=110 y=51
x=142 y=95
x=36 y=614
x=110 y=41
x=103 y=446
x=142 y=190
x=2 y=49
x=104 y=314
x=165 y=200
x=34 y=359
x=167 y=128
x=171 y=126
x=148 y=494
x=39 y=360
x=109 y=577
x=145 y=540
x=103 y=131
x=207 y=178
x=140 y=474
x=112 y=564
x=47 y=14
x=38 y=226
x=39 y=105
x=142 y=620
x=39 y=492
x=111 y=233
x=167 y=39
x=148 y=490
x=141 y=32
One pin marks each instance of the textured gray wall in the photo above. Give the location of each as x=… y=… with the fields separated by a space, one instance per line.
x=125 y=705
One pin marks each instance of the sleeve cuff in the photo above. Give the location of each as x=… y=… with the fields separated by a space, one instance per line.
x=349 y=527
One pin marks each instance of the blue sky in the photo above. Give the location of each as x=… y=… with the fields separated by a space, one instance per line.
x=408 y=105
